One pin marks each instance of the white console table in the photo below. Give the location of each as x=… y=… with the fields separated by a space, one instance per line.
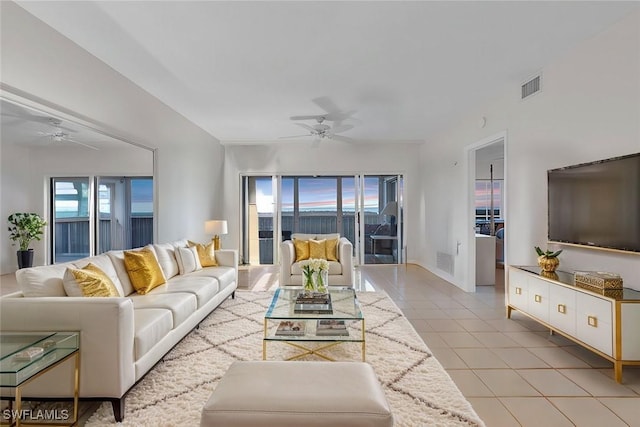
x=604 y=322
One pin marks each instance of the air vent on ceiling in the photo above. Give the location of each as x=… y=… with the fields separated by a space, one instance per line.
x=530 y=87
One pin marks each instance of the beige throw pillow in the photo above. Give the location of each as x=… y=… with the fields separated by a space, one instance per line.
x=206 y=253
x=188 y=259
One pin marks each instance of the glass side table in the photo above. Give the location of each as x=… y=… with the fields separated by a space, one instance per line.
x=26 y=356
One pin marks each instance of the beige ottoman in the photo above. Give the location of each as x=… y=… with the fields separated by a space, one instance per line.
x=309 y=394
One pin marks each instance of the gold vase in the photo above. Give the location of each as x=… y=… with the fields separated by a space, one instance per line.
x=549 y=274
x=548 y=264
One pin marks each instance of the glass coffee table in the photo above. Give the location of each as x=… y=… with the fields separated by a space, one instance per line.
x=26 y=356
x=282 y=323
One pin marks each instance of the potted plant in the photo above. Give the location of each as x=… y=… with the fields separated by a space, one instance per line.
x=23 y=229
x=548 y=260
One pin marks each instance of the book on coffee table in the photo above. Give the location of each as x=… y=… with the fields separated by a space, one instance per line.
x=288 y=327
x=329 y=327
x=313 y=298
x=313 y=308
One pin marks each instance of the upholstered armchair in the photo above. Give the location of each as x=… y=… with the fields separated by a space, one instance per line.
x=340 y=270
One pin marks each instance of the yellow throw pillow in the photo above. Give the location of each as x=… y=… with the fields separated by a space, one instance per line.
x=318 y=249
x=206 y=253
x=143 y=270
x=93 y=282
x=332 y=249
x=302 y=249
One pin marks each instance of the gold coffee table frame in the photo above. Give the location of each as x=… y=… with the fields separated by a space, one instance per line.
x=17 y=375
x=345 y=307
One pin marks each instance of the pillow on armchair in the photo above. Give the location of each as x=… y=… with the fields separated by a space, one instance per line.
x=316 y=247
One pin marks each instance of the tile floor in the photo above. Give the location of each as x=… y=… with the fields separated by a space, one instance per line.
x=512 y=371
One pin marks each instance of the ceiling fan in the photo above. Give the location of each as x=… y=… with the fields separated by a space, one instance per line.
x=58 y=135
x=321 y=130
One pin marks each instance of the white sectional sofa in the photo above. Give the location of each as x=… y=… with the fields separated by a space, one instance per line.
x=121 y=338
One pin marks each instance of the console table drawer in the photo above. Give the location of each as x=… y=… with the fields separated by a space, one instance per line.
x=594 y=322
x=539 y=299
x=518 y=289
x=562 y=309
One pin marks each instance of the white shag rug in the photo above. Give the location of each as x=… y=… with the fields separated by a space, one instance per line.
x=418 y=389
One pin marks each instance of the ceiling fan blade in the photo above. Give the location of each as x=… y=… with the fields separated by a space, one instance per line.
x=341 y=128
x=307 y=127
x=295 y=136
x=334 y=114
x=57 y=124
x=305 y=117
x=326 y=104
x=81 y=143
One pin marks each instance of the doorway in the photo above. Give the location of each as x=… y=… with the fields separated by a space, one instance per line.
x=381 y=211
x=487 y=213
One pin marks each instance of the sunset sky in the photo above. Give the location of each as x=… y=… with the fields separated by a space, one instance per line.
x=317 y=194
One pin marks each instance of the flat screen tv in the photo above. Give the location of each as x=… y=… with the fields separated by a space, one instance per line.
x=596 y=204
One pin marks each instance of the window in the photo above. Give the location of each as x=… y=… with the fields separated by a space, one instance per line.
x=320 y=205
x=484 y=199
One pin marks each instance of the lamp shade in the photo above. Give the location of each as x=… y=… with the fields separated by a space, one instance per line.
x=390 y=209
x=215 y=227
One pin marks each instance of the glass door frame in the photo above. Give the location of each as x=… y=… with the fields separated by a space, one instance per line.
x=359 y=212
x=91 y=210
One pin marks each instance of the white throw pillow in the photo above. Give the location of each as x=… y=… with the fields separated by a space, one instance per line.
x=188 y=259
x=165 y=252
x=43 y=281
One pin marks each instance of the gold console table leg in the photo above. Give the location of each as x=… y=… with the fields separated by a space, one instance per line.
x=617 y=369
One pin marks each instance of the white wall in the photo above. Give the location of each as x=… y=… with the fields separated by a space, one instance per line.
x=15 y=166
x=589 y=109
x=41 y=62
x=329 y=157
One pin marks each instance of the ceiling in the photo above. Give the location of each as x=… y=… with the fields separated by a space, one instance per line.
x=402 y=71
x=31 y=128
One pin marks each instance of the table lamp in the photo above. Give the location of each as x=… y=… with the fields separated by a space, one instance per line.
x=216 y=227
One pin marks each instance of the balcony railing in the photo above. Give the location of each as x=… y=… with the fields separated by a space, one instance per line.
x=309 y=224
x=72 y=237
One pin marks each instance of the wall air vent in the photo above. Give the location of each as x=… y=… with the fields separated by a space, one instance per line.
x=444 y=262
x=530 y=87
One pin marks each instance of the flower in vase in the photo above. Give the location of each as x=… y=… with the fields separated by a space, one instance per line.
x=318 y=264
x=320 y=267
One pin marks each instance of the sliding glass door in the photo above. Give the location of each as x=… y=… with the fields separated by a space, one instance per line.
x=125 y=212
x=71 y=212
x=93 y=215
x=283 y=205
x=382 y=226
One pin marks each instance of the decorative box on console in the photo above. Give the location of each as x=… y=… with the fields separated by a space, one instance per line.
x=597 y=280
